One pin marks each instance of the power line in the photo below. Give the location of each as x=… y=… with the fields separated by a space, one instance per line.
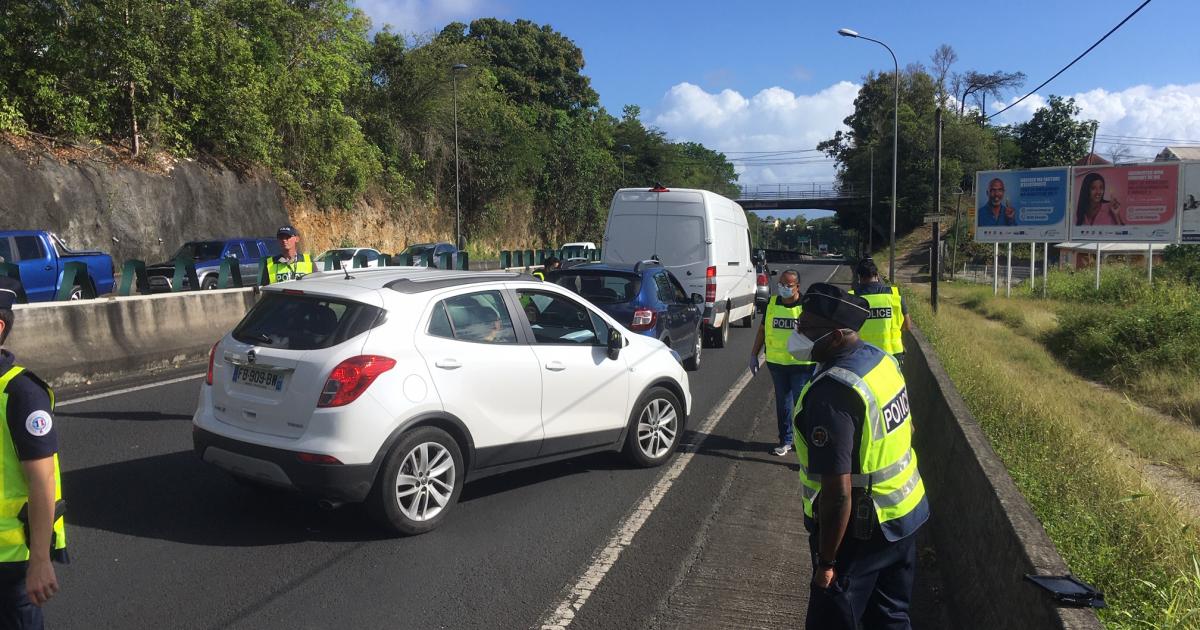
x=1081 y=56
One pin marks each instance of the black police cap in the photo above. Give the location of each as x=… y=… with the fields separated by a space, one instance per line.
x=10 y=288
x=836 y=305
x=287 y=230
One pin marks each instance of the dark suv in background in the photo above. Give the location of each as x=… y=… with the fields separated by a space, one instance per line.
x=646 y=298
x=207 y=256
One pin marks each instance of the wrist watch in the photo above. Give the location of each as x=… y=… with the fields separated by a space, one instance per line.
x=826 y=564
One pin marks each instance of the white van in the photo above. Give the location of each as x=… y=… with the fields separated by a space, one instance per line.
x=700 y=236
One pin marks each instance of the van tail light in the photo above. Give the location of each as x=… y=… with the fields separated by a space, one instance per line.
x=351 y=378
x=208 y=378
x=762 y=279
x=643 y=320
x=710 y=285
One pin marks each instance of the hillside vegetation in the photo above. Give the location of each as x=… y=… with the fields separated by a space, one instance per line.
x=336 y=113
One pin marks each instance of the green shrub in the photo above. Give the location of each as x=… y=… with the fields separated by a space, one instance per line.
x=1118 y=285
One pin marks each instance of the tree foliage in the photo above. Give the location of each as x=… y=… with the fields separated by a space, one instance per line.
x=1053 y=136
x=300 y=87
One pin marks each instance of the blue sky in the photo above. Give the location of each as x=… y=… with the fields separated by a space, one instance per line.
x=759 y=76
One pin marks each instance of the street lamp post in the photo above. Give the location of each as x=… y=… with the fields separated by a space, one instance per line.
x=845 y=32
x=458 y=242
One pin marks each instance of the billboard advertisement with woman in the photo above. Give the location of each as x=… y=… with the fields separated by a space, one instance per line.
x=1129 y=203
x=1021 y=206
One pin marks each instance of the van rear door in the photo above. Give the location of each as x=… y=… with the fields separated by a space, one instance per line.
x=683 y=242
x=632 y=223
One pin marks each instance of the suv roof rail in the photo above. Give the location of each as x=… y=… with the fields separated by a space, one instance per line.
x=637 y=266
x=431 y=281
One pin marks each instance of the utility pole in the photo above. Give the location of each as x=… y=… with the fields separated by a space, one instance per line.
x=871 y=209
x=458 y=242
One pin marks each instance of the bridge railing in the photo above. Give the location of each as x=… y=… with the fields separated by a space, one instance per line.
x=810 y=190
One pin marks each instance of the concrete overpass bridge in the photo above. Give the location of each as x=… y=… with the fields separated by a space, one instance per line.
x=809 y=196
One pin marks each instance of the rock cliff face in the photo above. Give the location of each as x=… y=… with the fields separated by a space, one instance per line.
x=131 y=212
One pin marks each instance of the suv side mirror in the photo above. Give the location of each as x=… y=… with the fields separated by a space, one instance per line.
x=697 y=298
x=615 y=343
x=774 y=273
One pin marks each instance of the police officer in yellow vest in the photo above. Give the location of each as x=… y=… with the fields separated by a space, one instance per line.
x=550 y=265
x=862 y=493
x=290 y=265
x=32 y=533
x=789 y=374
x=889 y=315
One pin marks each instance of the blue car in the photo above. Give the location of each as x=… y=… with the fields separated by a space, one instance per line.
x=645 y=297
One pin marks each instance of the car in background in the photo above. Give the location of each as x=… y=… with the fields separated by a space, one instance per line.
x=398 y=385
x=646 y=298
x=207 y=257
x=418 y=252
x=344 y=257
x=582 y=245
x=762 y=286
x=40 y=258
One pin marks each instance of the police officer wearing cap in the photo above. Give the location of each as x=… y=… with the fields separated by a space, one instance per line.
x=32 y=532
x=290 y=265
x=788 y=373
x=551 y=264
x=862 y=493
x=888 y=320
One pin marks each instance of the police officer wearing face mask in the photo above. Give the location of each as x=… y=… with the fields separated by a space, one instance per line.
x=789 y=374
x=862 y=493
x=32 y=532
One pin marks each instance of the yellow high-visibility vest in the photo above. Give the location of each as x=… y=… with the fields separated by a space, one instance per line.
x=13 y=545
x=778 y=325
x=885 y=325
x=282 y=272
x=886 y=460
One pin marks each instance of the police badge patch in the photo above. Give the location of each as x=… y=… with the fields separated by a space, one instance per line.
x=819 y=437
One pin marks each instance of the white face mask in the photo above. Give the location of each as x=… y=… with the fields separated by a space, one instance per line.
x=801 y=347
x=785 y=291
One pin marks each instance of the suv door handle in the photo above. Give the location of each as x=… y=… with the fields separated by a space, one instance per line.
x=448 y=364
x=555 y=366
x=48 y=268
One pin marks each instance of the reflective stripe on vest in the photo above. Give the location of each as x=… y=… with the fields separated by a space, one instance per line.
x=778 y=325
x=282 y=272
x=886 y=459
x=13 y=547
x=885 y=325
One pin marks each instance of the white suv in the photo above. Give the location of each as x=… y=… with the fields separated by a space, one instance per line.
x=395 y=385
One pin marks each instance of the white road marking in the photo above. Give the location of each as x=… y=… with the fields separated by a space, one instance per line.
x=835 y=270
x=118 y=392
x=604 y=559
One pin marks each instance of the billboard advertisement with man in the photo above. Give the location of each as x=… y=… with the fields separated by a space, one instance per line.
x=1189 y=216
x=1027 y=205
x=1128 y=203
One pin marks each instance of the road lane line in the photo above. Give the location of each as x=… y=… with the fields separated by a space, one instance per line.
x=835 y=270
x=604 y=559
x=118 y=392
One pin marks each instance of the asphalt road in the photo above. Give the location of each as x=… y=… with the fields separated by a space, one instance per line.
x=160 y=539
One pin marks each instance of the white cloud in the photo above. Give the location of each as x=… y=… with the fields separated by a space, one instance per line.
x=1170 y=112
x=418 y=16
x=774 y=119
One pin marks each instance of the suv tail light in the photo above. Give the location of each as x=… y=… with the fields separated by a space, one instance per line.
x=208 y=378
x=351 y=378
x=643 y=319
x=710 y=285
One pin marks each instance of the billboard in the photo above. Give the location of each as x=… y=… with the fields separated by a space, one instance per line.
x=1189 y=214
x=1028 y=205
x=1127 y=203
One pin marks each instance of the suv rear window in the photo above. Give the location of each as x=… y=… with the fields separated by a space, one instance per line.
x=601 y=287
x=299 y=322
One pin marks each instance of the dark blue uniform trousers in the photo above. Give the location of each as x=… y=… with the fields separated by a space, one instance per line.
x=873 y=584
x=16 y=611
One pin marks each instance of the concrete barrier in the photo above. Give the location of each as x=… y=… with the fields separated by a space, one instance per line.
x=985 y=533
x=91 y=341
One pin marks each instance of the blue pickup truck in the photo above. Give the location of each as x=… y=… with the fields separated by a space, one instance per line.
x=41 y=256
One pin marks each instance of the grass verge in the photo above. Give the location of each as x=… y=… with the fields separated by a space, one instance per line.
x=1052 y=430
x=1157 y=439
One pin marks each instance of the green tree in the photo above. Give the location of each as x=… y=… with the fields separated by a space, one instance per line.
x=1053 y=136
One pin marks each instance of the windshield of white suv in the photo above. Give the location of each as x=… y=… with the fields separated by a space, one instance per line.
x=298 y=322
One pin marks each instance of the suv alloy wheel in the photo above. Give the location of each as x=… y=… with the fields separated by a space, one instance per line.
x=419 y=482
